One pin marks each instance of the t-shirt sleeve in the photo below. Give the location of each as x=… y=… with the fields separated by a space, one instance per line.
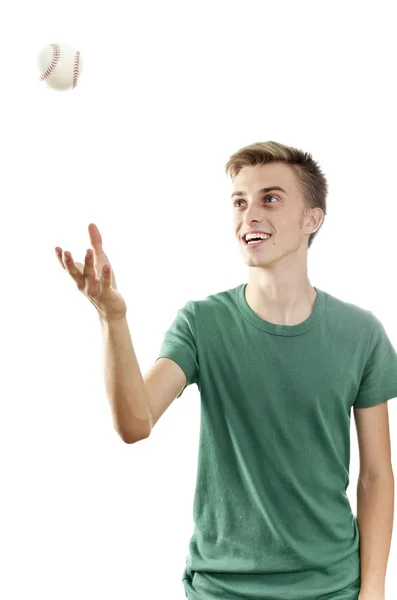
x=379 y=379
x=179 y=344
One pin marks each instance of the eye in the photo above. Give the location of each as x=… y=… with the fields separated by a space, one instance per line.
x=268 y=196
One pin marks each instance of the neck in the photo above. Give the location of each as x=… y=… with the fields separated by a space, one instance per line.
x=286 y=304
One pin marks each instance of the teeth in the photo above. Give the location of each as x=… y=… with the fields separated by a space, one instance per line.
x=249 y=236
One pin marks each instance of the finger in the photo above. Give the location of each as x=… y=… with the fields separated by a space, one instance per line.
x=73 y=270
x=58 y=252
x=106 y=277
x=89 y=273
x=95 y=238
x=96 y=242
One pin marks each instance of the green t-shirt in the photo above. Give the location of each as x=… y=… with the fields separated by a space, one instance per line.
x=272 y=517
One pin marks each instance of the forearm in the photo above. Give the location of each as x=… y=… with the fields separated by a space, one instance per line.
x=124 y=383
x=375 y=508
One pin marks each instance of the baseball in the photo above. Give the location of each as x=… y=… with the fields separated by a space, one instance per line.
x=60 y=66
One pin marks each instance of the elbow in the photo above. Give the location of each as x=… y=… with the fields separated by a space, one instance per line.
x=129 y=438
x=135 y=431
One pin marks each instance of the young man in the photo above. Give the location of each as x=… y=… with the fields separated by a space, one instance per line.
x=279 y=364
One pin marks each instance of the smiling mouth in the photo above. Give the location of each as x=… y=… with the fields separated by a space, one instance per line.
x=256 y=243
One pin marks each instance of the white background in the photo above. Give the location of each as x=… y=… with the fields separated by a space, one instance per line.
x=169 y=91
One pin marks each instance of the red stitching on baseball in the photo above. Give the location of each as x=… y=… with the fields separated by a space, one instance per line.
x=56 y=54
x=76 y=68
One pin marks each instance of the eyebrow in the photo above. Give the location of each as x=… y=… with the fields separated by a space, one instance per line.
x=261 y=191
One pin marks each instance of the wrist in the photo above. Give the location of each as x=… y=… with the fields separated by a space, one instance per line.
x=111 y=321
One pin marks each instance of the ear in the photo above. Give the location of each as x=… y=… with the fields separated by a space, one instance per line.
x=318 y=217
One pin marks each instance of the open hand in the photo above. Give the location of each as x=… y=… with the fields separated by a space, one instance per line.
x=93 y=279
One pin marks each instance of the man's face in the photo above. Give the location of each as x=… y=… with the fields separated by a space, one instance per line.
x=280 y=213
